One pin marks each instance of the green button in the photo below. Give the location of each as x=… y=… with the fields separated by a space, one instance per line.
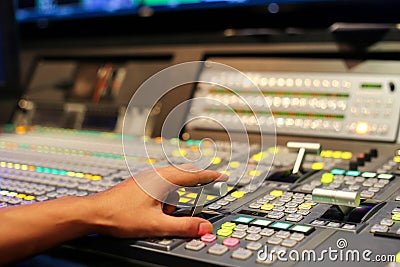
x=260 y=222
x=385 y=176
x=228 y=225
x=338 y=171
x=353 y=173
x=398 y=257
x=305 y=229
x=224 y=232
x=368 y=174
x=280 y=225
x=243 y=219
x=327 y=178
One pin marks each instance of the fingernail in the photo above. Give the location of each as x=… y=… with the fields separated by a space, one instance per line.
x=204 y=228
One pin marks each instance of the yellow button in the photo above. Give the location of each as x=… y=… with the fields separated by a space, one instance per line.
x=238 y=194
x=180 y=193
x=179 y=153
x=226 y=172
x=326 y=153
x=151 y=161
x=267 y=206
x=398 y=257
x=228 y=225
x=327 y=178
x=191 y=195
x=396 y=159
x=255 y=173
x=347 y=155
x=276 y=193
x=210 y=197
x=96 y=177
x=396 y=217
x=29 y=198
x=184 y=199
x=20 y=195
x=337 y=154
x=224 y=232
x=273 y=150
x=317 y=166
x=259 y=156
x=305 y=206
x=216 y=160
x=234 y=164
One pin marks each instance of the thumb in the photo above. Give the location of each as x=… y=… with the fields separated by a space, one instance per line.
x=185 y=226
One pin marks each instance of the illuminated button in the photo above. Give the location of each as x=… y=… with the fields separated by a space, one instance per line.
x=231 y=242
x=317 y=166
x=228 y=225
x=368 y=174
x=337 y=154
x=179 y=153
x=210 y=197
x=397 y=256
x=327 y=178
x=181 y=193
x=259 y=156
x=396 y=159
x=276 y=193
x=216 y=160
x=305 y=206
x=195 y=245
x=338 y=171
x=184 y=199
x=347 y=155
x=191 y=195
x=234 y=164
x=304 y=229
x=238 y=194
x=151 y=161
x=12 y=194
x=385 y=176
x=353 y=173
x=96 y=177
x=20 y=195
x=267 y=206
x=243 y=219
x=29 y=198
x=255 y=173
x=281 y=225
x=362 y=128
x=208 y=238
x=224 y=232
x=226 y=172
x=260 y=222
x=396 y=217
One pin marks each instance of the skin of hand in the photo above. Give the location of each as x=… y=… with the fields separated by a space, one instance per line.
x=124 y=210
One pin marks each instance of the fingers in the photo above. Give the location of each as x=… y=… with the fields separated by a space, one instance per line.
x=190 y=175
x=184 y=226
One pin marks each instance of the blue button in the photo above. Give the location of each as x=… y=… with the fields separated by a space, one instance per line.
x=353 y=173
x=337 y=171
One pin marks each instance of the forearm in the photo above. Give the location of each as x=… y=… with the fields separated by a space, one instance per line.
x=30 y=229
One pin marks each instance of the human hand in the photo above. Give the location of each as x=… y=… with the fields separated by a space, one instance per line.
x=127 y=211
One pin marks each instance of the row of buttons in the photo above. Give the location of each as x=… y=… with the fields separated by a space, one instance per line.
x=259 y=79
x=367 y=183
x=277 y=204
x=386 y=223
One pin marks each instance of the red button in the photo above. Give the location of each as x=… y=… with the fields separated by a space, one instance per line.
x=208 y=238
x=231 y=242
